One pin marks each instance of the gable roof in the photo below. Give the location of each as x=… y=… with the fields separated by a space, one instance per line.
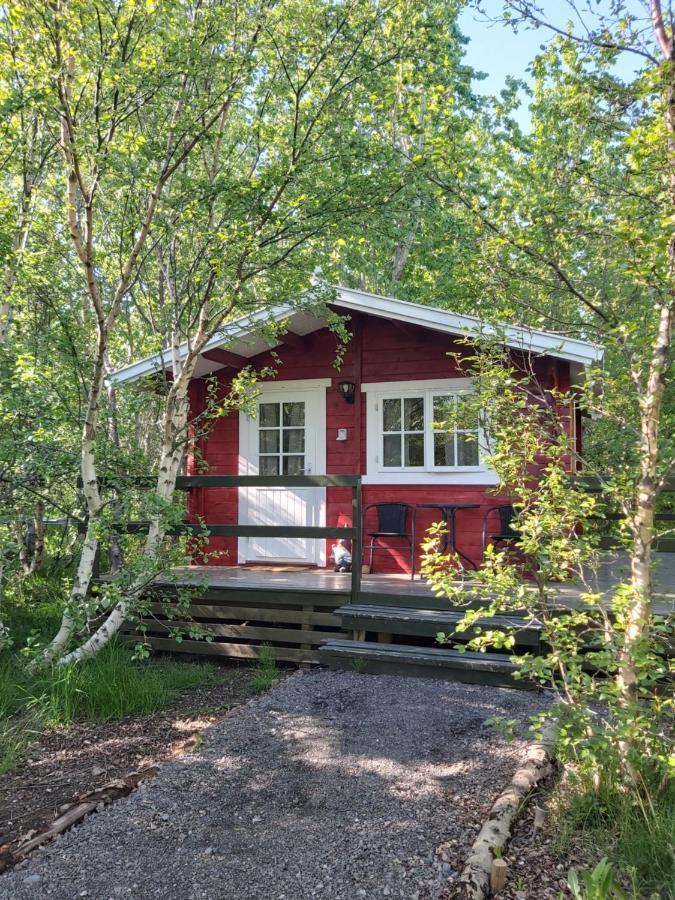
x=242 y=336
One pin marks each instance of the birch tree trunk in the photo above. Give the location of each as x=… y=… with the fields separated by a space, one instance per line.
x=651 y=400
x=92 y=495
x=174 y=427
x=173 y=444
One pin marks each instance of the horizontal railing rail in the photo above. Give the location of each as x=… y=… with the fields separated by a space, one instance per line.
x=188 y=482
x=595 y=484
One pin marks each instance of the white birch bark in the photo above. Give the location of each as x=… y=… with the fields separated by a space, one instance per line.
x=173 y=442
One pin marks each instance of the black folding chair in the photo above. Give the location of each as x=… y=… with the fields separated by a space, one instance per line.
x=506 y=531
x=392 y=522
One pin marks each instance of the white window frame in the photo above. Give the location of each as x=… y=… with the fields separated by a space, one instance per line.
x=406 y=395
x=429 y=473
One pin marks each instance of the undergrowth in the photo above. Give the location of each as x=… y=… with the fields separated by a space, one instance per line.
x=110 y=686
x=637 y=838
x=265 y=674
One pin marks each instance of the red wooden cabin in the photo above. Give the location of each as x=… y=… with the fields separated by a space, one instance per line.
x=374 y=417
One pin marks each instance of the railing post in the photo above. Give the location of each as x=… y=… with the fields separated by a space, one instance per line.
x=357 y=554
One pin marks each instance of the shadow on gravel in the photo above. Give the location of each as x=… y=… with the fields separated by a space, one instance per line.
x=333 y=785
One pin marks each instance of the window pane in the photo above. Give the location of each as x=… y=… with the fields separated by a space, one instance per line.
x=414 y=449
x=444 y=411
x=444 y=449
x=268 y=440
x=294 y=440
x=294 y=413
x=294 y=465
x=392 y=450
x=467 y=418
x=413 y=414
x=268 y=414
x=467 y=450
x=391 y=414
x=269 y=465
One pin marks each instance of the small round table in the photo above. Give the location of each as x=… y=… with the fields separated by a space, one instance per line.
x=449 y=515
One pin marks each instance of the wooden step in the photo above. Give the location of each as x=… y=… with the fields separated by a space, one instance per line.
x=428 y=622
x=421 y=662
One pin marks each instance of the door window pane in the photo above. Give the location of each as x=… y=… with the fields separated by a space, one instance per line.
x=281 y=438
x=391 y=414
x=268 y=415
x=268 y=440
x=269 y=465
x=294 y=414
x=294 y=440
x=294 y=465
x=392 y=449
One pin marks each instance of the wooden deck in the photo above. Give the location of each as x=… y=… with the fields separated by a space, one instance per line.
x=395 y=590
x=308 y=616
x=284 y=578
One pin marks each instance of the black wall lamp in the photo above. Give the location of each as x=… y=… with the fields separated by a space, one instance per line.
x=347 y=390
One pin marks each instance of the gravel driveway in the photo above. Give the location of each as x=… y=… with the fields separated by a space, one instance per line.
x=334 y=785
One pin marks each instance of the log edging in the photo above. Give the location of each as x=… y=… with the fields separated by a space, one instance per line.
x=496 y=830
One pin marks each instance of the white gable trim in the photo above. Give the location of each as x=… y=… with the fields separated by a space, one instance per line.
x=234 y=335
x=527 y=339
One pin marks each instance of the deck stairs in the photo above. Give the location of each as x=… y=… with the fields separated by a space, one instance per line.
x=387 y=638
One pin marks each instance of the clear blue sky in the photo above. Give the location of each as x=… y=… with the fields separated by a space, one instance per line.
x=497 y=51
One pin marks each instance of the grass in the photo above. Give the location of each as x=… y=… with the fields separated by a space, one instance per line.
x=638 y=839
x=265 y=674
x=110 y=686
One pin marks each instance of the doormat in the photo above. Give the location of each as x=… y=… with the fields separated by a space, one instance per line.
x=263 y=568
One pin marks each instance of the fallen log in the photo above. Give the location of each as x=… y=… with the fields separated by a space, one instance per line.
x=13 y=853
x=496 y=829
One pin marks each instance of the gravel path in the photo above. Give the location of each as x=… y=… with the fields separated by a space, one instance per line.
x=334 y=785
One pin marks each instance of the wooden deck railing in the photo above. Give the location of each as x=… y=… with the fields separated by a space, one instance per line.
x=352 y=533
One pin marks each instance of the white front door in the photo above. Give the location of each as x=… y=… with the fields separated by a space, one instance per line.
x=287 y=436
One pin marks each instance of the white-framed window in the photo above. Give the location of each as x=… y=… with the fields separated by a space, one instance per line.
x=419 y=432
x=455 y=432
x=403 y=432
